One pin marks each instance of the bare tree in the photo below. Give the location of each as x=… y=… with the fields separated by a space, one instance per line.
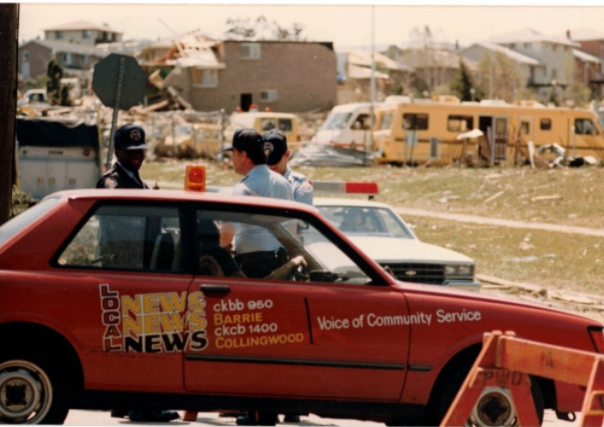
x=500 y=73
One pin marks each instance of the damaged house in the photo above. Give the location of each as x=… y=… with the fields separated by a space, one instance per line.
x=211 y=75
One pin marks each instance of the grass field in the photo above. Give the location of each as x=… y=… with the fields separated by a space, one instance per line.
x=569 y=197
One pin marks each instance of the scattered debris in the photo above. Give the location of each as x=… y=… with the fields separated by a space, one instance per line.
x=539 y=198
x=493 y=197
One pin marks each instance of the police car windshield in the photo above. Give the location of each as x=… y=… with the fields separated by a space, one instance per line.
x=367 y=220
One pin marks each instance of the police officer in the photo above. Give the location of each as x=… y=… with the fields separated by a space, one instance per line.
x=275 y=142
x=258 y=252
x=129 y=148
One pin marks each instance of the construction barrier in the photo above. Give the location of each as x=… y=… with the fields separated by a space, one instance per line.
x=506 y=361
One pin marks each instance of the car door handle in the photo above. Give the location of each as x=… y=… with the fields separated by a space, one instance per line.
x=215 y=289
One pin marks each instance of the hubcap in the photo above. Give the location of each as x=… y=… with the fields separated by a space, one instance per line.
x=494 y=408
x=25 y=392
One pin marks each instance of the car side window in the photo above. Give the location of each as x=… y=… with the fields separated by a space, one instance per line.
x=124 y=237
x=269 y=247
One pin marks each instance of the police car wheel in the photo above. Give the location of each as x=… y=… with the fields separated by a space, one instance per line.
x=31 y=393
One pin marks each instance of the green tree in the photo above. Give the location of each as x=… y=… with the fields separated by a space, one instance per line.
x=578 y=95
x=53 y=85
x=463 y=83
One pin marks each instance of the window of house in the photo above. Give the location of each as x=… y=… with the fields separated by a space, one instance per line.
x=512 y=45
x=59 y=35
x=205 y=78
x=268 y=95
x=525 y=128
x=554 y=73
x=527 y=45
x=250 y=51
x=25 y=55
x=66 y=58
x=554 y=47
x=460 y=123
x=415 y=121
x=545 y=124
x=86 y=34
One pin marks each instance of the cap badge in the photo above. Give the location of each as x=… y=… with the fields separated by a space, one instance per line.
x=268 y=146
x=135 y=135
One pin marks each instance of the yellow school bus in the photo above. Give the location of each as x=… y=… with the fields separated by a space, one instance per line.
x=432 y=131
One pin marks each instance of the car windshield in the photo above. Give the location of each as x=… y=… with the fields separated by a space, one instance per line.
x=336 y=121
x=367 y=220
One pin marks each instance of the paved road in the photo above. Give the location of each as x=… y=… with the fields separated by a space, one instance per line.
x=102 y=418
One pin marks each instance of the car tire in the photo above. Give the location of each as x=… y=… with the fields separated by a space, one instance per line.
x=32 y=391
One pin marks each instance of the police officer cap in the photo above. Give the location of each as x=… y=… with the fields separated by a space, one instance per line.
x=130 y=137
x=275 y=143
x=247 y=140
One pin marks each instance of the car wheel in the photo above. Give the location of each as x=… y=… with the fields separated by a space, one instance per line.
x=32 y=393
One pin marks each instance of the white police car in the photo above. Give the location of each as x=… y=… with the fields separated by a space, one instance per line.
x=383 y=235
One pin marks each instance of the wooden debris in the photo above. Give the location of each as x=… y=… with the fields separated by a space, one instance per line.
x=540 y=290
x=539 y=198
x=493 y=197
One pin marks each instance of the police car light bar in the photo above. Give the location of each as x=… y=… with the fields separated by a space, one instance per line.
x=343 y=187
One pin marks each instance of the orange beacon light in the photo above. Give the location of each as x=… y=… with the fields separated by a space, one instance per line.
x=195 y=178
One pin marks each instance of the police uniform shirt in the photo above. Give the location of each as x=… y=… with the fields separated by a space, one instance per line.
x=120 y=177
x=260 y=181
x=302 y=189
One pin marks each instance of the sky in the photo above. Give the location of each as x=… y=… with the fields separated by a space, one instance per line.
x=351 y=24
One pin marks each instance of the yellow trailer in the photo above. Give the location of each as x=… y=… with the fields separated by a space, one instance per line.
x=427 y=131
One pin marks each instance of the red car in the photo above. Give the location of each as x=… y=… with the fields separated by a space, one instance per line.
x=129 y=299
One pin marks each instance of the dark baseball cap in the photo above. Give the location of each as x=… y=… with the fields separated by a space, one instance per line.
x=246 y=140
x=130 y=137
x=275 y=142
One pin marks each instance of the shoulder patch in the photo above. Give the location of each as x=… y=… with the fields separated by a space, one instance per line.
x=110 y=182
x=305 y=187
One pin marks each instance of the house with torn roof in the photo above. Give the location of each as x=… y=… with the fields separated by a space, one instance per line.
x=355 y=71
x=287 y=76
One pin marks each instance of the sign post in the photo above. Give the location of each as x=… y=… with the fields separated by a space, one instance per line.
x=119 y=82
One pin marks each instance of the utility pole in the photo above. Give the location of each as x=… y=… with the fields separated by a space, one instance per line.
x=9 y=38
x=372 y=83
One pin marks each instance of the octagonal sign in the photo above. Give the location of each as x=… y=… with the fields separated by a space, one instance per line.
x=119 y=77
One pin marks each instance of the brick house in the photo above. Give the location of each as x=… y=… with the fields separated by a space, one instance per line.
x=281 y=75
